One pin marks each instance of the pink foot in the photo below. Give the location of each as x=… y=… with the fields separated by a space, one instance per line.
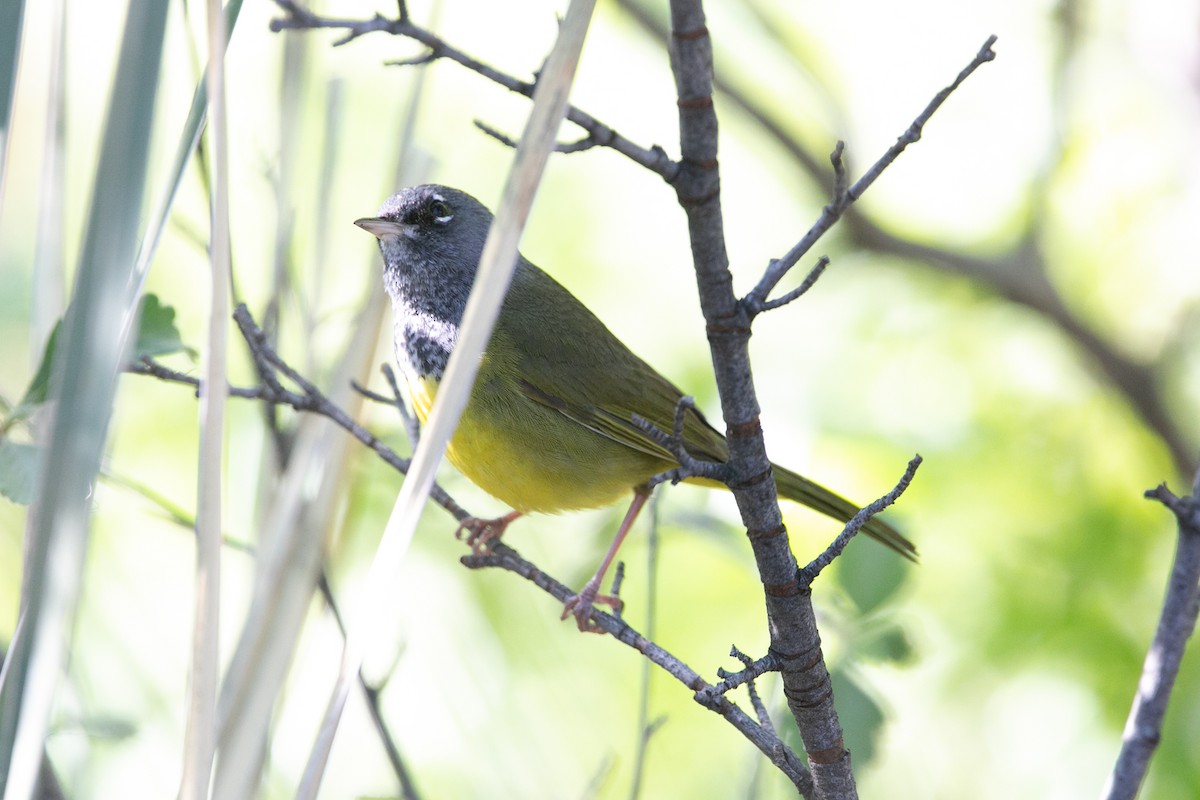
x=580 y=605
x=482 y=532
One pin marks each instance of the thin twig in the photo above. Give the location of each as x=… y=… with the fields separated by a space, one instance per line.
x=296 y=17
x=408 y=787
x=760 y=708
x=504 y=557
x=809 y=281
x=501 y=555
x=753 y=670
x=371 y=395
x=844 y=198
x=615 y=591
x=810 y=572
x=578 y=146
x=412 y=425
x=689 y=466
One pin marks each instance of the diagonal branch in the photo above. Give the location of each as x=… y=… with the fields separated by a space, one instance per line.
x=310 y=399
x=1020 y=275
x=765 y=739
x=844 y=197
x=297 y=17
x=851 y=529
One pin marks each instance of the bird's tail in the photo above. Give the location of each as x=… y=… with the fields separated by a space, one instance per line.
x=801 y=490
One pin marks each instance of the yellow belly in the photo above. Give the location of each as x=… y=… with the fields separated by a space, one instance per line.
x=532 y=457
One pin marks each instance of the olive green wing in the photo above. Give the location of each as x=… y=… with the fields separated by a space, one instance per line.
x=568 y=360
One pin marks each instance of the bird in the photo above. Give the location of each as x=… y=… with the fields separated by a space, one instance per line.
x=557 y=419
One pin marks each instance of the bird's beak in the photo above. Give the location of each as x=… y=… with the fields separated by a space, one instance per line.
x=381 y=227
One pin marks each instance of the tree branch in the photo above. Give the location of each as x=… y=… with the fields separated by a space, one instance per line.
x=297 y=17
x=810 y=572
x=1020 y=275
x=791 y=619
x=310 y=399
x=689 y=466
x=505 y=557
x=1143 y=728
x=844 y=197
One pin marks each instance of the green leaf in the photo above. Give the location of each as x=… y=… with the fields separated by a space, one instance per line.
x=889 y=644
x=869 y=574
x=861 y=717
x=109 y=727
x=18 y=470
x=39 y=387
x=157 y=334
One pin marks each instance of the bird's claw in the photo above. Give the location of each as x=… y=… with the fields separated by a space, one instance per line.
x=480 y=533
x=580 y=606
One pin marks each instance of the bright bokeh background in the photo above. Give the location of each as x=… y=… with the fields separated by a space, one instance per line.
x=1004 y=664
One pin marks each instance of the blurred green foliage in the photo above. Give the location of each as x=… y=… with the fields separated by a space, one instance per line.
x=1002 y=666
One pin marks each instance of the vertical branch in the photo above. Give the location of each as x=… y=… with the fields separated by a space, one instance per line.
x=794 y=637
x=1143 y=729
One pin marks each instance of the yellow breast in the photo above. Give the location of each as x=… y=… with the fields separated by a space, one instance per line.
x=532 y=457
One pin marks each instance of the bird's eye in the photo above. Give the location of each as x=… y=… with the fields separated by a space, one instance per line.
x=440 y=211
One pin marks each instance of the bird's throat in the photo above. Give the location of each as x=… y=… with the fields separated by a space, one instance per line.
x=423 y=344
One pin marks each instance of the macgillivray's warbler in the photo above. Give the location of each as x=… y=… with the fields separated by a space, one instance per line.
x=549 y=423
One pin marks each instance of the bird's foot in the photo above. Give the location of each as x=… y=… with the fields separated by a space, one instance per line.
x=580 y=605
x=480 y=533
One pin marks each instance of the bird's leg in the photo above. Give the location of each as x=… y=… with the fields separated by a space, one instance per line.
x=482 y=532
x=581 y=604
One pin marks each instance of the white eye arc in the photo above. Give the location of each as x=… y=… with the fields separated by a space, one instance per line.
x=440 y=210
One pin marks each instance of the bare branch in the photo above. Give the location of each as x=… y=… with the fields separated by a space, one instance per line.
x=754 y=670
x=809 y=281
x=689 y=466
x=371 y=694
x=310 y=399
x=760 y=708
x=505 y=557
x=413 y=61
x=615 y=592
x=580 y=145
x=296 y=17
x=810 y=572
x=844 y=198
x=1143 y=728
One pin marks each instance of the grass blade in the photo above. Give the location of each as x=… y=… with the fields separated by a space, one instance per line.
x=200 y=741
x=49 y=272
x=84 y=384
x=189 y=139
x=491 y=284
x=11 y=14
